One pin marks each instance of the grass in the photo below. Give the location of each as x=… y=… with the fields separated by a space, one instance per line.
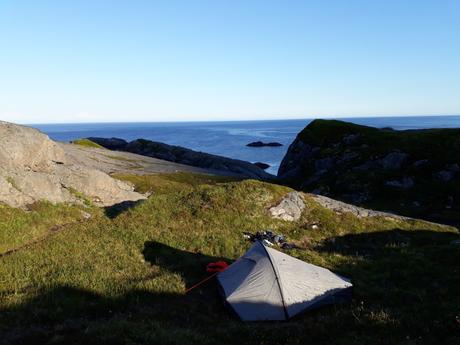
x=87 y=143
x=121 y=280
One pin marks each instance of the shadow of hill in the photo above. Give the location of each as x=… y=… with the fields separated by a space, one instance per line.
x=412 y=275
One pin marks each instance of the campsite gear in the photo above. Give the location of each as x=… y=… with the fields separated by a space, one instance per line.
x=269 y=238
x=212 y=267
x=265 y=284
x=218 y=266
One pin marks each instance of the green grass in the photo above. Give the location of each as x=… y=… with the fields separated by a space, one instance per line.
x=121 y=280
x=87 y=143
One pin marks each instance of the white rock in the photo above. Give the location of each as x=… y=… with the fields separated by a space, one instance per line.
x=290 y=208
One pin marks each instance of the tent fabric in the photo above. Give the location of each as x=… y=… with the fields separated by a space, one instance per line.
x=265 y=284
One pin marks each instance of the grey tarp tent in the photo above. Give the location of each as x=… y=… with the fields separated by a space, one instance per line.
x=266 y=284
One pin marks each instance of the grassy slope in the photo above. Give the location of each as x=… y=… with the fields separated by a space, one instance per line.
x=441 y=147
x=87 y=143
x=121 y=280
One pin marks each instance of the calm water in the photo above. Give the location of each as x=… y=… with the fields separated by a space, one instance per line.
x=230 y=138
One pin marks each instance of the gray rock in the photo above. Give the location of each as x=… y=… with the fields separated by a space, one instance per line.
x=290 y=208
x=348 y=156
x=393 y=160
x=186 y=156
x=298 y=151
x=324 y=164
x=368 y=165
x=454 y=167
x=404 y=183
x=342 y=207
x=351 y=139
x=445 y=175
x=33 y=167
x=420 y=162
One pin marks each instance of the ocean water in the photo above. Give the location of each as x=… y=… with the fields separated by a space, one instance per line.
x=230 y=138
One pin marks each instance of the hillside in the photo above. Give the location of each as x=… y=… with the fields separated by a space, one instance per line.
x=412 y=172
x=119 y=275
x=110 y=262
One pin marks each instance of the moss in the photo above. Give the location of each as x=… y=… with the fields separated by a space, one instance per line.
x=87 y=143
x=12 y=182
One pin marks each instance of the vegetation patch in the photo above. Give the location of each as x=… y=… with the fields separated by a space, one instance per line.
x=122 y=279
x=87 y=143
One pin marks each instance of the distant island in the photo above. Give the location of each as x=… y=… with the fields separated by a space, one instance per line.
x=262 y=144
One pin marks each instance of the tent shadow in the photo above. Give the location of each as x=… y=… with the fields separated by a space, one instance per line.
x=191 y=266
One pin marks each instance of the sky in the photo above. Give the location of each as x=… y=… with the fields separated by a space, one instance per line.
x=133 y=60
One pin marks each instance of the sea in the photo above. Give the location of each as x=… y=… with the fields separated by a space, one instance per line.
x=229 y=138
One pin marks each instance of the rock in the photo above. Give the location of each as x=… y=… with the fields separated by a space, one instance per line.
x=351 y=139
x=291 y=165
x=445 y=175
x=182 y=155
x=393 y=161
x=348 y=156
x=33 y=168
x=354 y=163
x=262 y=144
x=110 y=143
x=420 y=162
x=454 y=167
x=290 y=208
x=262 y=165
x=404 y=183
x=342 y=207
x=323 y=165
x=86 y=215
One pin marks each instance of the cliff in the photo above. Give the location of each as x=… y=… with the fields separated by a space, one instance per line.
x=413 y=172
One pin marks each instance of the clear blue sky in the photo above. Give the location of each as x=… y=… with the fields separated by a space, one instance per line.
x=133 y=60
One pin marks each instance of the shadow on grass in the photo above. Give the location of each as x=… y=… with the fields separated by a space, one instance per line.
x=406 y=287
x=117 y=209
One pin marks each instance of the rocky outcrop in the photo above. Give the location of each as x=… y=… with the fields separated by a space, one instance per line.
x=290 y=208
x=415 y=172
x=341 y=207
x=186 y=156
x=262 y=144
x=33 y=167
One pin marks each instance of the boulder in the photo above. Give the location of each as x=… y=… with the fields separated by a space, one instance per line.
x=33 y=168
x=290 y=208
x=393 y=160
x=404 y=183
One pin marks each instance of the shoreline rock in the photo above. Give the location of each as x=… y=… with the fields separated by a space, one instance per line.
x=262 y=144
x=186 y=156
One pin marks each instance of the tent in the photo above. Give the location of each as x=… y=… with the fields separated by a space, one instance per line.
x=266 y=284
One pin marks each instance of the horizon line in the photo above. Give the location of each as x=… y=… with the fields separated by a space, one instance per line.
x=241 y=120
